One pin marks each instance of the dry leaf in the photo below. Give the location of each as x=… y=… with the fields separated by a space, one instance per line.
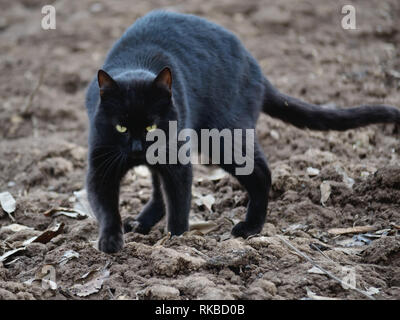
x=315 y=270
x=47 y=275
x=394 y=73
x=82 y=203
x=380 y=233
x=12 y=261
x=10 y=253
x=92 y=286
x=192 y=233
x=294 y=227
x=72 y=213
x=207 y=201
x=47 y=235
x=372 y=290
x=349 y=182
x=8 y=203
x=51 y=284
x=89 y=273
x=203 y=227
x=68 y=255
x=15 y=227
x=314 y=296
x=325 y=188
x=352 y=242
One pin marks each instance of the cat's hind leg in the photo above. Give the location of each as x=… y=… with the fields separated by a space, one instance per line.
x=151 y=214
x=257 y=184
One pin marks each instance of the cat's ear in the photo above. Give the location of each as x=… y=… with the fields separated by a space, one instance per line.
x=164 y=78
x=106 y=83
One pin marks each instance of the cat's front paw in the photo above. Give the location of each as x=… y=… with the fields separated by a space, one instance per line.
x=111 y=242
x=132 y=225
x=244 y=229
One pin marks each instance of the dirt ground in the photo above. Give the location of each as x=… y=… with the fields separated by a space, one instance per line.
x=303 y=50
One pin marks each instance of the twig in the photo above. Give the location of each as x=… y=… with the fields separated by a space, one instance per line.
x=323 y=270
x=29 y=100
x=11 y=217
x=34 y=127
x=110 y=294
x=316 y=248
x=359 y=229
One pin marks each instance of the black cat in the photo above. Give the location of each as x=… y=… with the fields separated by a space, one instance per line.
x=169 y=66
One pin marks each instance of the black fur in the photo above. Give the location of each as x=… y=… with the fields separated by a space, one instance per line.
x=216 y=83
x=306 y=115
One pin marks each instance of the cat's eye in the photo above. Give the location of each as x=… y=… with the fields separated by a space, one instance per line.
x=120 y=128
x=151 y=128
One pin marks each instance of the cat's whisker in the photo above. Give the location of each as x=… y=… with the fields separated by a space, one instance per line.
x=103 y=165
x=122 y=165
x=98 y=156
x=111 y=164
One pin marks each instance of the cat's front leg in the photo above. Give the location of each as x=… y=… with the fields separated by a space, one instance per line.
x=176 y=182
x=151 y=214
x=103 y=196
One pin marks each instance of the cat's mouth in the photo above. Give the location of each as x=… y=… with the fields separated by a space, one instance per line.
x=137 y=156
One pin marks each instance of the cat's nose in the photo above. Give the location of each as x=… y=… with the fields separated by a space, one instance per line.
x=136 y=146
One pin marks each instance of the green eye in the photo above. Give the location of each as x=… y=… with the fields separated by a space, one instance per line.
x=120 y=128
x=151 y=128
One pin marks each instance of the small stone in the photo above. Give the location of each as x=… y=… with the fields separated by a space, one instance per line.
x=274 y=134
x=266 y=285
x=158 y=292
x=96 y=7
x=312 y=171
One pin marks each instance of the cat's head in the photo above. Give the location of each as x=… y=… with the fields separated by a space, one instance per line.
x=131 y=107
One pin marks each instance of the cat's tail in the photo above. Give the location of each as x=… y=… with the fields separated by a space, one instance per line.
x=305 y=115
